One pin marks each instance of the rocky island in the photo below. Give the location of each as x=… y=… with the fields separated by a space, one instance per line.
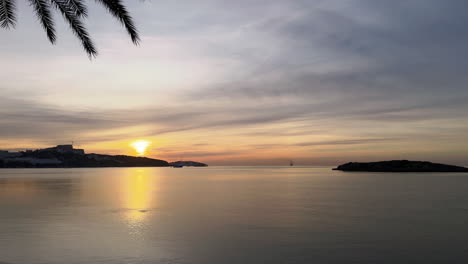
x=400 y=166
x=65 y=156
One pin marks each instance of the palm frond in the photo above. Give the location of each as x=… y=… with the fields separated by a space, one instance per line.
x=74 y=12
x=78 y=7
x=7 y=13
x=42 y=9
x=74 y=20
x=118 y=10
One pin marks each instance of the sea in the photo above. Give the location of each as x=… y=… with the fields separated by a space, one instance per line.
x=231 y=215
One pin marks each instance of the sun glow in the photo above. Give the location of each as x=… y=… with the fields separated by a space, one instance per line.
x=141 y=146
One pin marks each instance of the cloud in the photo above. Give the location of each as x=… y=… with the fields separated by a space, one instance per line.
x=301 y=72
x=359 y=49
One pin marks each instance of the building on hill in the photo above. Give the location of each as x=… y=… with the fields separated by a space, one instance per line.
x=65 y=149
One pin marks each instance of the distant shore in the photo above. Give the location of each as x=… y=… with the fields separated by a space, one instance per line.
x=65 y=156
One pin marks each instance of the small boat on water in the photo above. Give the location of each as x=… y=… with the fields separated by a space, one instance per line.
x=177 y=166
x=291 y=163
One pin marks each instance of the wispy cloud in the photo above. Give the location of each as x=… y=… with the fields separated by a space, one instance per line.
x=266 y=74
x=347 y=142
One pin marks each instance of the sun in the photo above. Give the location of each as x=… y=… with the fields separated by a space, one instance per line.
x=141 y=146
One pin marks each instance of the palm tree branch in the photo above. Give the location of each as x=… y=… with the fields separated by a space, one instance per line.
x=74 y=20
x=119 y=11
x=42 y=9
x=7 y=13
x=78 y=7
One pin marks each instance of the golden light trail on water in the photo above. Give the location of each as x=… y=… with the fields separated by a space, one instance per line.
x=139 y=187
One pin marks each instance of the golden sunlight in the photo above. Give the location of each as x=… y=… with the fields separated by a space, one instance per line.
x=141 y=146
x=138 y=186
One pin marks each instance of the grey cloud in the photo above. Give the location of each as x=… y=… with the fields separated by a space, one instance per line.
x=13 y=109
x=397 y=61
x=42 y=122
x=411 y=49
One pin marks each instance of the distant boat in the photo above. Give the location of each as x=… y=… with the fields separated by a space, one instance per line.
x=177 y=166
x=291 y=163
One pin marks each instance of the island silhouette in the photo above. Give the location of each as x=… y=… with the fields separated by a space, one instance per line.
x=400 y=166
x=65 y=156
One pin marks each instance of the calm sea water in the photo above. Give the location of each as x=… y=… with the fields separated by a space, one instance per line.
x=231 y=215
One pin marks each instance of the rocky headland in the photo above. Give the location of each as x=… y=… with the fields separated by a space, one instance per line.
x=65 y=156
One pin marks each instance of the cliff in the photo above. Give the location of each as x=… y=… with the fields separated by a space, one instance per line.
x=400 y=166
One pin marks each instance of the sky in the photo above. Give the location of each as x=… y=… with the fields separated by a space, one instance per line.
x=246 y=82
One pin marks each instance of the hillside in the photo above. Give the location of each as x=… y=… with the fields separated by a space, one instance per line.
x=66 y=157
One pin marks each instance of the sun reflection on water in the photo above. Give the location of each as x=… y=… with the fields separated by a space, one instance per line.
x=138 y=196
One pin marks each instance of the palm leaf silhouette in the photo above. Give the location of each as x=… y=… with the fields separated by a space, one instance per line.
x=70 y=13
x=73 y=11
x=119 y=11
x=42 y=9
x=7 y=13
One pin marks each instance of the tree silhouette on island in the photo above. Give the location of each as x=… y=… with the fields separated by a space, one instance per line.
x=74 y=12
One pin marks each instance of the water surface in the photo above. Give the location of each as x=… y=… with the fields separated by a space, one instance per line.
x=231 y=215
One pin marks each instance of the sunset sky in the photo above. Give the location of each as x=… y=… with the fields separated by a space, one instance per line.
x=246 y=82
